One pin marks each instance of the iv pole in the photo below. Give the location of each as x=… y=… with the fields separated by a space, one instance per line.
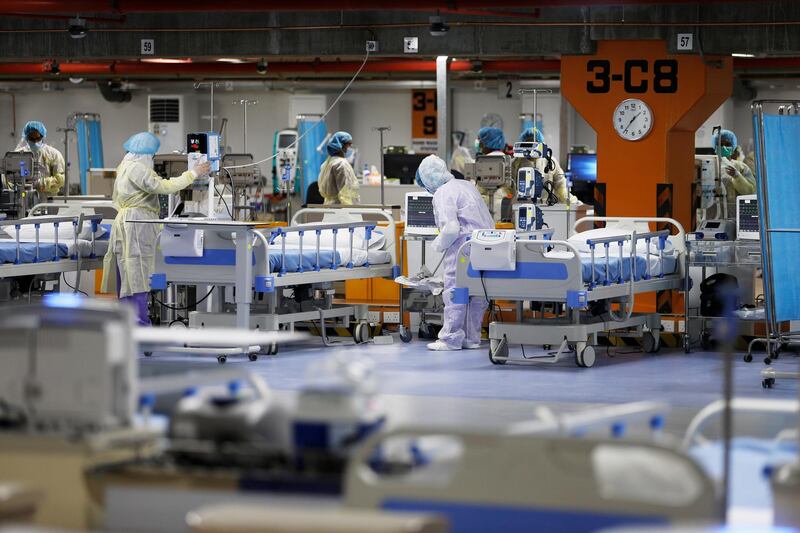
x=381 y=130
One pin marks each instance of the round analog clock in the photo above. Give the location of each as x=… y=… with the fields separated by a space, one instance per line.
x=633 y=119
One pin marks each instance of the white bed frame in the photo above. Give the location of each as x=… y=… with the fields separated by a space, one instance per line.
x=577 y=328
x=72 y=226
x=269 y=311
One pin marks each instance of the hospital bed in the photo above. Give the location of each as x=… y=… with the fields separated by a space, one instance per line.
x=281 y=275
x=586 y=275
x=485 y=481
x=51 y=244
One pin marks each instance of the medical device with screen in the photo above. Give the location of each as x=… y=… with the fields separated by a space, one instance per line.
x=747 y=221
x=582 y=167
x=419 y=214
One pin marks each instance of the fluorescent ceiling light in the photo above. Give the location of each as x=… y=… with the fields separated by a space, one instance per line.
x=231 y=60
x=738 y=54
x=165 y=60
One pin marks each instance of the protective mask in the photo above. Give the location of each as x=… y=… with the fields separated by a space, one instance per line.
x=35 y=147
x=725 y=151
x=350 y=155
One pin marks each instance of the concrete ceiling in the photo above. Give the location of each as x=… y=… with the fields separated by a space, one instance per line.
x=765 y=29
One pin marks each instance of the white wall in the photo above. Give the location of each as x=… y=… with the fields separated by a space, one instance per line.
x=470 y=106
x=358 y=112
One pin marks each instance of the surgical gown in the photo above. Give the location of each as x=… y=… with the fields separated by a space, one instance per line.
x=458 y=201
x=132 y=246
x=337 y=181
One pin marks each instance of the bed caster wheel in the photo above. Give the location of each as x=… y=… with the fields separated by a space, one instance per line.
x=405 y=334
x=650 y=343
x=253 y=357
x=585 y=357
x=498 y=351
x=547 y=347
x=425 y=331
x=705 y=341
x=767 y=383
x=272 y=349
x=148 y=354
x=767 y=360
x=748 y=358
x=361 y=333
x=222 y=359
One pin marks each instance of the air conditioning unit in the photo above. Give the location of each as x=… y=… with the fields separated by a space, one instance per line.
x=167 y=122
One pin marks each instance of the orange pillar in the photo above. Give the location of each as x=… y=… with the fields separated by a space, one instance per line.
x=681 y=91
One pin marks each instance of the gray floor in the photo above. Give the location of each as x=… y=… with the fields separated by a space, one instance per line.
x=621 y=375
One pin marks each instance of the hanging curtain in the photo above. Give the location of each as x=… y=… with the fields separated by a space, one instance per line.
x=90 y=146
x=308 y=157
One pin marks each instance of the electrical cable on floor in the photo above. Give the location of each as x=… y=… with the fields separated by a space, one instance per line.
x=74 y=289
x=198 y=302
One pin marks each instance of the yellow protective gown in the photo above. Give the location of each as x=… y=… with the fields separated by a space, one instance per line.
x=51 y=163
x=742 y=182
x=555 y=176
x=132 y=246
x=337 y=181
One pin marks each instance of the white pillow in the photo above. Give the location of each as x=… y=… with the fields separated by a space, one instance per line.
x=47 y=232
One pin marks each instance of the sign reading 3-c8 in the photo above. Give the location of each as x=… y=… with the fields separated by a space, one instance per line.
x=637 y=76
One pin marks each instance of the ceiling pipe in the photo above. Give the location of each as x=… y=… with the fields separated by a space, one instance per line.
x=134 y=68
x=156 y=6
x=388 y=66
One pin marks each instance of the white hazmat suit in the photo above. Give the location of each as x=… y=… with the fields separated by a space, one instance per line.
x=459 y=209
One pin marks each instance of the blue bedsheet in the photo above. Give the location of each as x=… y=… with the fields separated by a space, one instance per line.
x=291 y=259
x=8 y=251
x=614 y=264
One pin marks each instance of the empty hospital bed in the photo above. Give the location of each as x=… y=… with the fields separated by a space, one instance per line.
x=587 y=275
x=281 y=276
x=51 y=245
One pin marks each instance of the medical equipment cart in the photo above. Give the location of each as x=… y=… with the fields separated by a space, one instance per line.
x=717 y=255
x=416 y=301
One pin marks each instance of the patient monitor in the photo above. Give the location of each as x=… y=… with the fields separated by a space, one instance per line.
x=493 y=249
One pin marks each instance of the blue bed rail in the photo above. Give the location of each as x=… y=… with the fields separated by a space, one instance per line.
x=349 y=227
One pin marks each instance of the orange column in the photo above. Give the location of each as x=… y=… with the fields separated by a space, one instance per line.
x=681 y=91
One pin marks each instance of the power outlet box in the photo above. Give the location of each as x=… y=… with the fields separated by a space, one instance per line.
x=374 y=317
x=668 y=326
x=372 y=46
x=391 y=317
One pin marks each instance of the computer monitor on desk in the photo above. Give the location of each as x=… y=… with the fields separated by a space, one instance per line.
x=402 y=166
x=582 y=172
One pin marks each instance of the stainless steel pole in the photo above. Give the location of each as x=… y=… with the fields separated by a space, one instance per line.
x=381 y=129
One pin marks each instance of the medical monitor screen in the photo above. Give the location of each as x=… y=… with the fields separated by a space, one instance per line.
x=285 y=140
x=419 y=211
x=402 y=166
x=583 y=167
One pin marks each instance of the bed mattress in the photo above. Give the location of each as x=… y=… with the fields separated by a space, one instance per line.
x=8 y=250
x=291 y=259
x=615 y=264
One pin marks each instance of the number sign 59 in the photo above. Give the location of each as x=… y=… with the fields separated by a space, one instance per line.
x=637 y=76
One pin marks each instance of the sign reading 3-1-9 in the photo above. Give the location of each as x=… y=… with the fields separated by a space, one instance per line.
x=636 y=76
